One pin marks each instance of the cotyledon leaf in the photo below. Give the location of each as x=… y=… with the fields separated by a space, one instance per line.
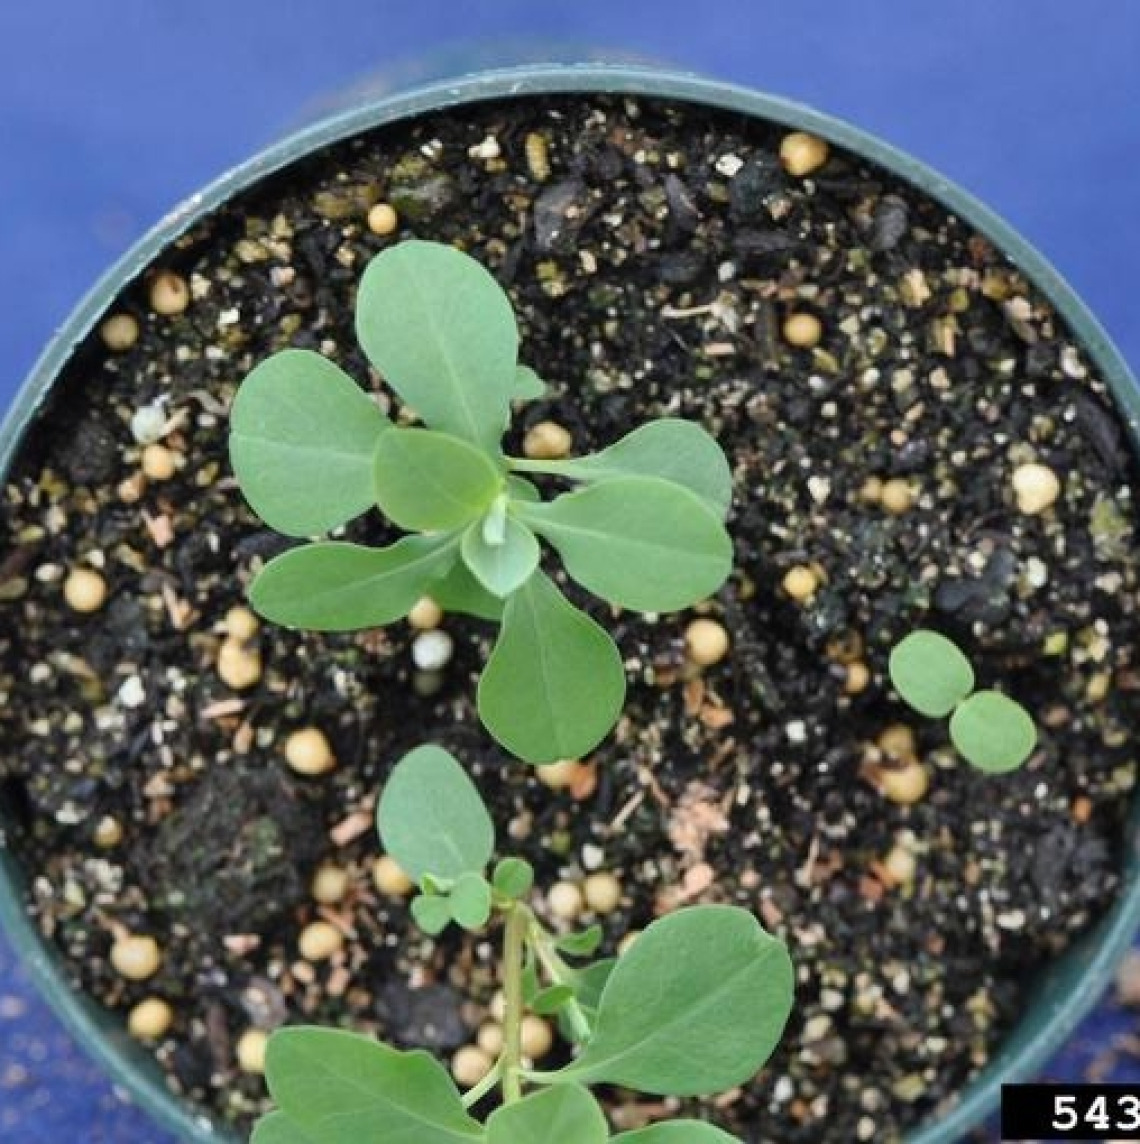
x=930 y=673
x=994 y=733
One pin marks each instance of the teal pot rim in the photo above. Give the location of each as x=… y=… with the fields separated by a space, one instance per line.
x=1066 y=990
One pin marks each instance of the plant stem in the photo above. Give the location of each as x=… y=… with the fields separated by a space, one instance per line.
x=560 y=974
x=518 y=925
x=476 y=1093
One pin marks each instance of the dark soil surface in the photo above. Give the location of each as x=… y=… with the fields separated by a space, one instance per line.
x=653 y=254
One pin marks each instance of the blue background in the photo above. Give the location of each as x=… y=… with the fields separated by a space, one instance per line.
x=111 y=111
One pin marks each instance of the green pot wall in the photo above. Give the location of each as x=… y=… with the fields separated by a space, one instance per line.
x=1059 y=998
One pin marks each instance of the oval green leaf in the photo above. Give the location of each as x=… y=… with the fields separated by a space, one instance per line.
x=441 y=331
x=546 y=1002
x=431 y=912
x=501 y=568
x=611 y=535
x=470 y=901
x=566 y=1114
x=555 y=683
x=528 y=386
x=519 y=488
x=993 y=732
x=670 y=448
x=581 y=944
x=277 y=1128
x=341 y=1088
x=459 y=591
x=930 y=673
x=432 y=819
x=513 y=878
x=302 y=435
x=677 y=1132
x=589 y=984
x=694 y=1007
x=427 y=480
x=334 y=586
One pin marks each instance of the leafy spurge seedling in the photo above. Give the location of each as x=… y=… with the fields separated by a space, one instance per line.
x=990 y=730
x=694 y=1006
x=312 y=452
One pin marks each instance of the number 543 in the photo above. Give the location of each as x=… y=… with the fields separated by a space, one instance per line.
x=1123 y=1117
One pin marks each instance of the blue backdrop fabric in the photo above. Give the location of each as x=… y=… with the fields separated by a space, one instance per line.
x=111 y=112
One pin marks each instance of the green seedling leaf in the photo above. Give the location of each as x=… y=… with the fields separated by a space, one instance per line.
x=677 y=1132
x=674 y=450
x=493 y=526
x=277 y=1128
x=550 y=1000
x=520 y=488
x=441 y=331
x=566 y=1114
x=554 y=683
x=581 y=944
x=639 y=542
x=427 y=481
x=431 y=818
x=993 y=732
x=930 y=673
x=527 y=384
x=589 y=984
x=302 y=435
x=695 y=1006
x=333 y=586
x=501 y=568
x=513 y=878
x=459 y=591
x=432 y=913
x=433 y=886
x=471 y=901
x=341 y=1088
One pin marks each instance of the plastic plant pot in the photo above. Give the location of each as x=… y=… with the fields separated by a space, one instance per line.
x=1062 y=994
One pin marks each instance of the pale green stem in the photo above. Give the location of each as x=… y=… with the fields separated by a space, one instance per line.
x=514 y=943
x=476 y=1093
x=560 y=974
